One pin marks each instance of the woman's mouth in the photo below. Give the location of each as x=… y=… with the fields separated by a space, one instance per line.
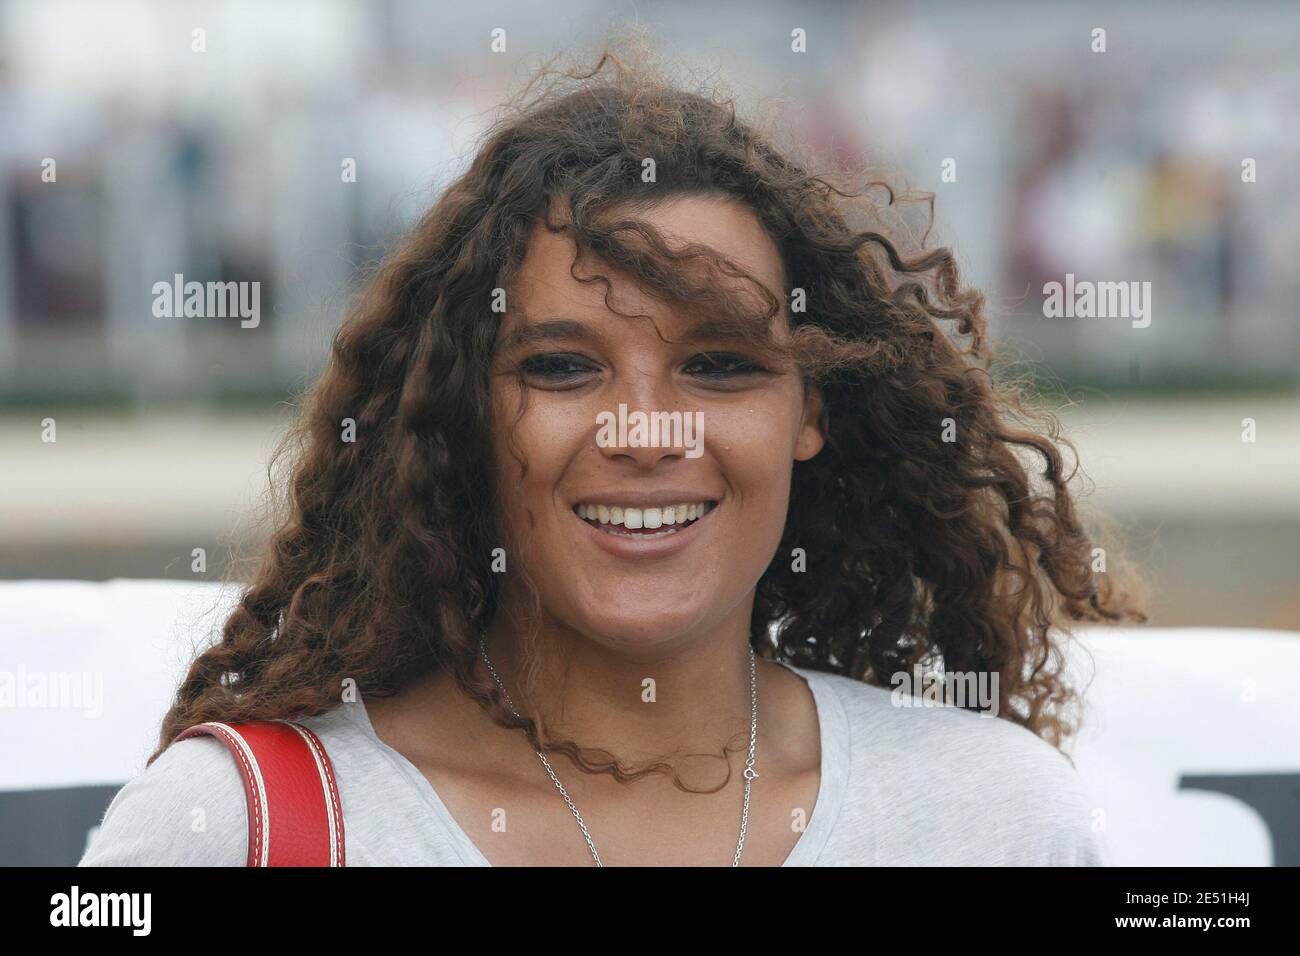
x=642 y=523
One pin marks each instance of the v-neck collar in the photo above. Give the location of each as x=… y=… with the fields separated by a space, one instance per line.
x=833 y=733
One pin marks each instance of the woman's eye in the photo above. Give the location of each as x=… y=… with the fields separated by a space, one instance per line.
x=556 y=367
x=719 y=365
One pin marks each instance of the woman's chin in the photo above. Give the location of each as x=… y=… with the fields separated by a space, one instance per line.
x=629 y=632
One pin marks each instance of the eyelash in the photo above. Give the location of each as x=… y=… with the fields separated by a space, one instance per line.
x=557 y=367
x=728 y=363
x=544 y=366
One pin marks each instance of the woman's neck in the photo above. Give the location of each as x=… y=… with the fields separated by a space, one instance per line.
x=689 y=696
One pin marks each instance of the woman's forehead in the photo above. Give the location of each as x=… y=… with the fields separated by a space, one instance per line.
x=545 y=282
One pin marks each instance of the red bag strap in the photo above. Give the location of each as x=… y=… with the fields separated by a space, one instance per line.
x=294 y=814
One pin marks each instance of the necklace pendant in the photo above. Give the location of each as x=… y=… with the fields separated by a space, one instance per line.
x=750 y=772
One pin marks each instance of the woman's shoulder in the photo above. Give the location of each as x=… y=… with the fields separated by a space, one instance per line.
x=187 y=808
x=879 y=718
x=992 y=786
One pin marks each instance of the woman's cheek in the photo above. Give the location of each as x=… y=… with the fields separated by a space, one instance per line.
x=756 y=442
x=755 y=453
x=532 y=431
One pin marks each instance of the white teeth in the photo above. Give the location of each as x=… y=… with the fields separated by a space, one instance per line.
x=648 y=518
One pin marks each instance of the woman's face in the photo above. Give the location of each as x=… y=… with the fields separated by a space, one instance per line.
x=636 y=540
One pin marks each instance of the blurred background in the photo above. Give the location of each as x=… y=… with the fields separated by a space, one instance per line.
x=1169 y=158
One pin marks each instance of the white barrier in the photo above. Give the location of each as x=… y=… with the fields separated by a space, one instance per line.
x=1191 y=748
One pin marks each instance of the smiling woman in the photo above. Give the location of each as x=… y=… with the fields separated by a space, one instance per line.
x=481 y=582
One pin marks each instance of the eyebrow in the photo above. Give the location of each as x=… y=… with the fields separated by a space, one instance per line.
x=552 y=329
x=547 y=330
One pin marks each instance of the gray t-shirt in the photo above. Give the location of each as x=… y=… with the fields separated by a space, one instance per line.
x=899 y=786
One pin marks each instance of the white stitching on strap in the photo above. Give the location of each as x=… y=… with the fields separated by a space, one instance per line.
x=330 y=792
x=261 y=820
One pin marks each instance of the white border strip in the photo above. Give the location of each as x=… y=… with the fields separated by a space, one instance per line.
x=325 y=790
x=251 y=761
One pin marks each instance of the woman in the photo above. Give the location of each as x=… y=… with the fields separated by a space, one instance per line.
x=647 y=449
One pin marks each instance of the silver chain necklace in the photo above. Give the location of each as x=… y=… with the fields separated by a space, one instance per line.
x=750 y=772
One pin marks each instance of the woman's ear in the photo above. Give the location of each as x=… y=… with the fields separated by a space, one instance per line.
x=812 y=430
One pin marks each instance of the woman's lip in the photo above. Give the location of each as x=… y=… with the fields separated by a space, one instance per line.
x=632 y=547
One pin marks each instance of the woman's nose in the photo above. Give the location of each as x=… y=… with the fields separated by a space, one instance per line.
x=646 y=421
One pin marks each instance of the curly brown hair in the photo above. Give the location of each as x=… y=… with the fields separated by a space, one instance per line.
x=921 y=548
